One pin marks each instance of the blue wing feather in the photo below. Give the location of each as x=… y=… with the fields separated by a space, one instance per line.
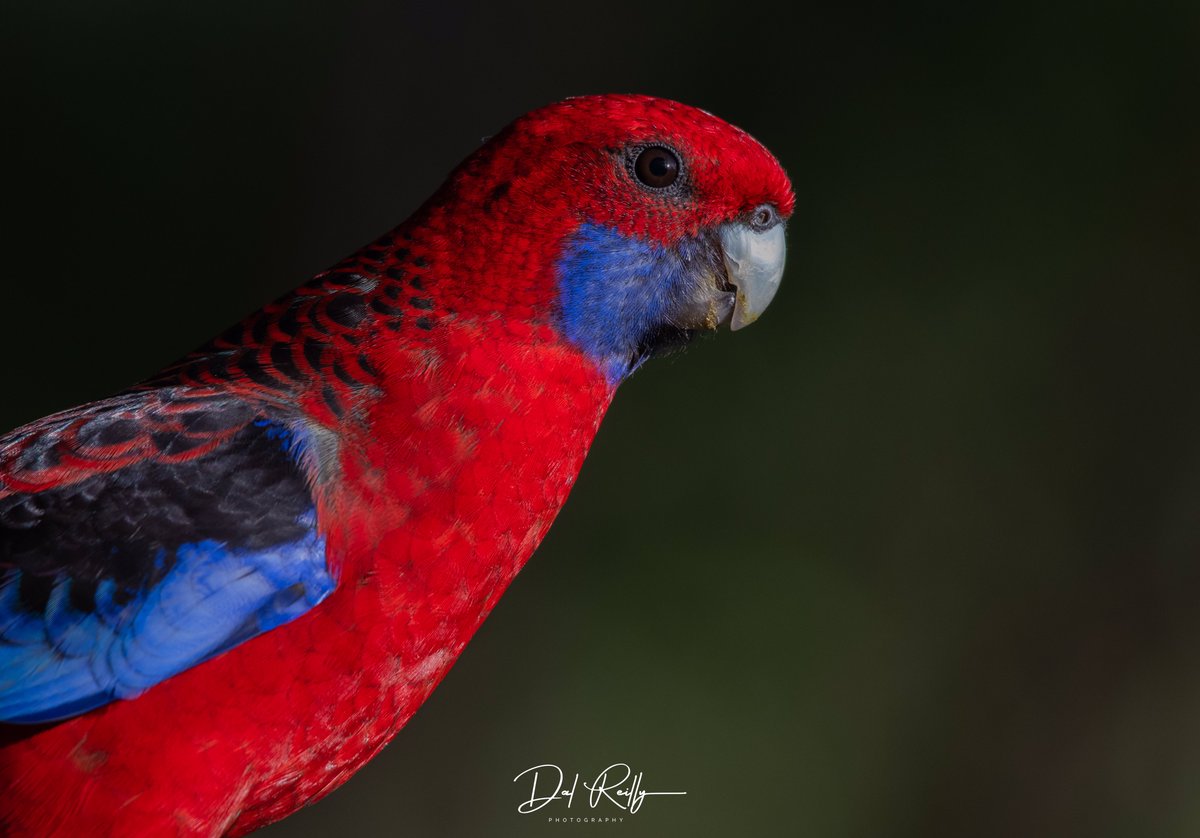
x=171 y=564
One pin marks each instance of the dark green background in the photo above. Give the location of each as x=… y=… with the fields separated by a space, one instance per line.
x=919 y=554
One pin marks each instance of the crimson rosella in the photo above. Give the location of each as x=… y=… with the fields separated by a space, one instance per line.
x=224 y=590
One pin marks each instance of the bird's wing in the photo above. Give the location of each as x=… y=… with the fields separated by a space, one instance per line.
x=142 y=535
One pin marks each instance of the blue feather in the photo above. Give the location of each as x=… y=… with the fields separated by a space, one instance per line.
x=196 y=599
x=616 y=290
x=212 y=598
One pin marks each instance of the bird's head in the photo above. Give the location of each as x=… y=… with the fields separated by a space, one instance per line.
x=643 y=220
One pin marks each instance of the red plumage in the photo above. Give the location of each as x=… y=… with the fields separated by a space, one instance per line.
x=454 y=416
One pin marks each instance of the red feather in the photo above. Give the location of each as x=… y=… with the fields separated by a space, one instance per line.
x=458 y=418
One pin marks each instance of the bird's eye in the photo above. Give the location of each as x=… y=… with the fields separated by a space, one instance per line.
x=657 y=167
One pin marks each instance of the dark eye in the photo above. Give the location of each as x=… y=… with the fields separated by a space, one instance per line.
x=657 y=167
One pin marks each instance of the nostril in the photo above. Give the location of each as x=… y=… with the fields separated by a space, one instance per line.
x=764 y=218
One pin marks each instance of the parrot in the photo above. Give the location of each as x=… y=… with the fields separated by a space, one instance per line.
x=226 y=588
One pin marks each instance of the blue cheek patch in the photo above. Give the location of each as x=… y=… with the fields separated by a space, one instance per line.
x=615 y=291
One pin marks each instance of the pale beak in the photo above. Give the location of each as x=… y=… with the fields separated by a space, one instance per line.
x=754 y=264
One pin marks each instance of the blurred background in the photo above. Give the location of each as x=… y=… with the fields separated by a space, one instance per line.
x=919 y=554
